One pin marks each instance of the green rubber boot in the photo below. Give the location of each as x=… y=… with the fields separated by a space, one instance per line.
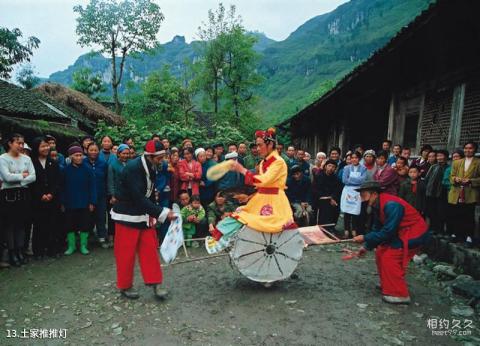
x=84 y=243
x=71 y=246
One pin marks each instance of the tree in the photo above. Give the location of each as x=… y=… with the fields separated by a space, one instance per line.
x=119 y=29
x=26 y=77
x=86 y=83
x=239 y=73
x=228 y=62
x=162 y=98
x=213 y=50
x=12 y=51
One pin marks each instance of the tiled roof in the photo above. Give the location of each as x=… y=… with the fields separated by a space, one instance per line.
x=20 y=103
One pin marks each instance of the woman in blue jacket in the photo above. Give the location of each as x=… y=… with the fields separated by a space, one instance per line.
x=100 y=170
x=350 y=203
x=78 y=196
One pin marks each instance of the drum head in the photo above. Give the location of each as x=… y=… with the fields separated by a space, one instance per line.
x=266 y=257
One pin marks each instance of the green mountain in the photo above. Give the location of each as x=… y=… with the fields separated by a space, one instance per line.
x=326 y=48
x=298 y=69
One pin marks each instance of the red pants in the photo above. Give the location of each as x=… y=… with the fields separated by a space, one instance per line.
x=391 y=269
x=130 y=241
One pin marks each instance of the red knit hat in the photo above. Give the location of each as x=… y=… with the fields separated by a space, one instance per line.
x=154 y=148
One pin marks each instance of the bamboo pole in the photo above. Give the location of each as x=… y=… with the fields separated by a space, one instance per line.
x=190 y=260
x=196 y=259
x=340 y=241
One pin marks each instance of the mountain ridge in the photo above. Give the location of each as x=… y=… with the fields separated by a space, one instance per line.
x=296 y=70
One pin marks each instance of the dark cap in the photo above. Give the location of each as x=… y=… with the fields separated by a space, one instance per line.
x=370 y=186
x=331 y=162
x=50 y=138
x=295 y=169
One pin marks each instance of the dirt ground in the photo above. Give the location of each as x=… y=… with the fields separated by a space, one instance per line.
x=328 y=302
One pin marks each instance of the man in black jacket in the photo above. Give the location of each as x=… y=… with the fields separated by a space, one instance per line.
x=327 y=189
x=135 y=215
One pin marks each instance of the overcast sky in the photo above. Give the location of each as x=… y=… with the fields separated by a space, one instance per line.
x=53 y=22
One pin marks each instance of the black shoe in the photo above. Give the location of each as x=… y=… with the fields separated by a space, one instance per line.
x=130 y=293
x=13 y=259
x=159 y=292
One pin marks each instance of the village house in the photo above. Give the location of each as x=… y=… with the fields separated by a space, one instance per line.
x=50 y=109
x=422 y=87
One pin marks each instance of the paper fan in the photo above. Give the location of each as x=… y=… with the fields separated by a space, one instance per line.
x=218 y=171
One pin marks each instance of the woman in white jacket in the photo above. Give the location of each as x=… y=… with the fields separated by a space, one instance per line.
x=16 y=173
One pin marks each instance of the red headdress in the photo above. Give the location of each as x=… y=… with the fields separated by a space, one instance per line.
x=268 y=135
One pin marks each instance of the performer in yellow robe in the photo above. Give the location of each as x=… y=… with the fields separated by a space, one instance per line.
x=268 y=210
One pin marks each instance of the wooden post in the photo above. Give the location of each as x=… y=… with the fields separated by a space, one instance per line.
x=456 y=117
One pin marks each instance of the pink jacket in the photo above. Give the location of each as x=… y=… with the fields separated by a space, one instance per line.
x=195 y=168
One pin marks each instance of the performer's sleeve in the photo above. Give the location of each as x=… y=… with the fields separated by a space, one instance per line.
x=393 y=216
x=266 y=179
x=207 y=181
x=163 y=215
x=138 y=195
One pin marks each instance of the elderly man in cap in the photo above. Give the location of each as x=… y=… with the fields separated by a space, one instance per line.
x=399 y=231
x=135 y=215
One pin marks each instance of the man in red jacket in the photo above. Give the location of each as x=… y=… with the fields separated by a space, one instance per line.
x=399 y=231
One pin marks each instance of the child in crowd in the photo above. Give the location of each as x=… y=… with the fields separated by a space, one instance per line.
x=218 y=210
x=412 y=189
x=192 y=215
x=183 y=198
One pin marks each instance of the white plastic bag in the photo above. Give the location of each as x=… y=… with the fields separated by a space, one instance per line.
x=350 y=202
x=174 y=237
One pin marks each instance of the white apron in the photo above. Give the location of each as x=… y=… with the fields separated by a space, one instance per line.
x=350 y=202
